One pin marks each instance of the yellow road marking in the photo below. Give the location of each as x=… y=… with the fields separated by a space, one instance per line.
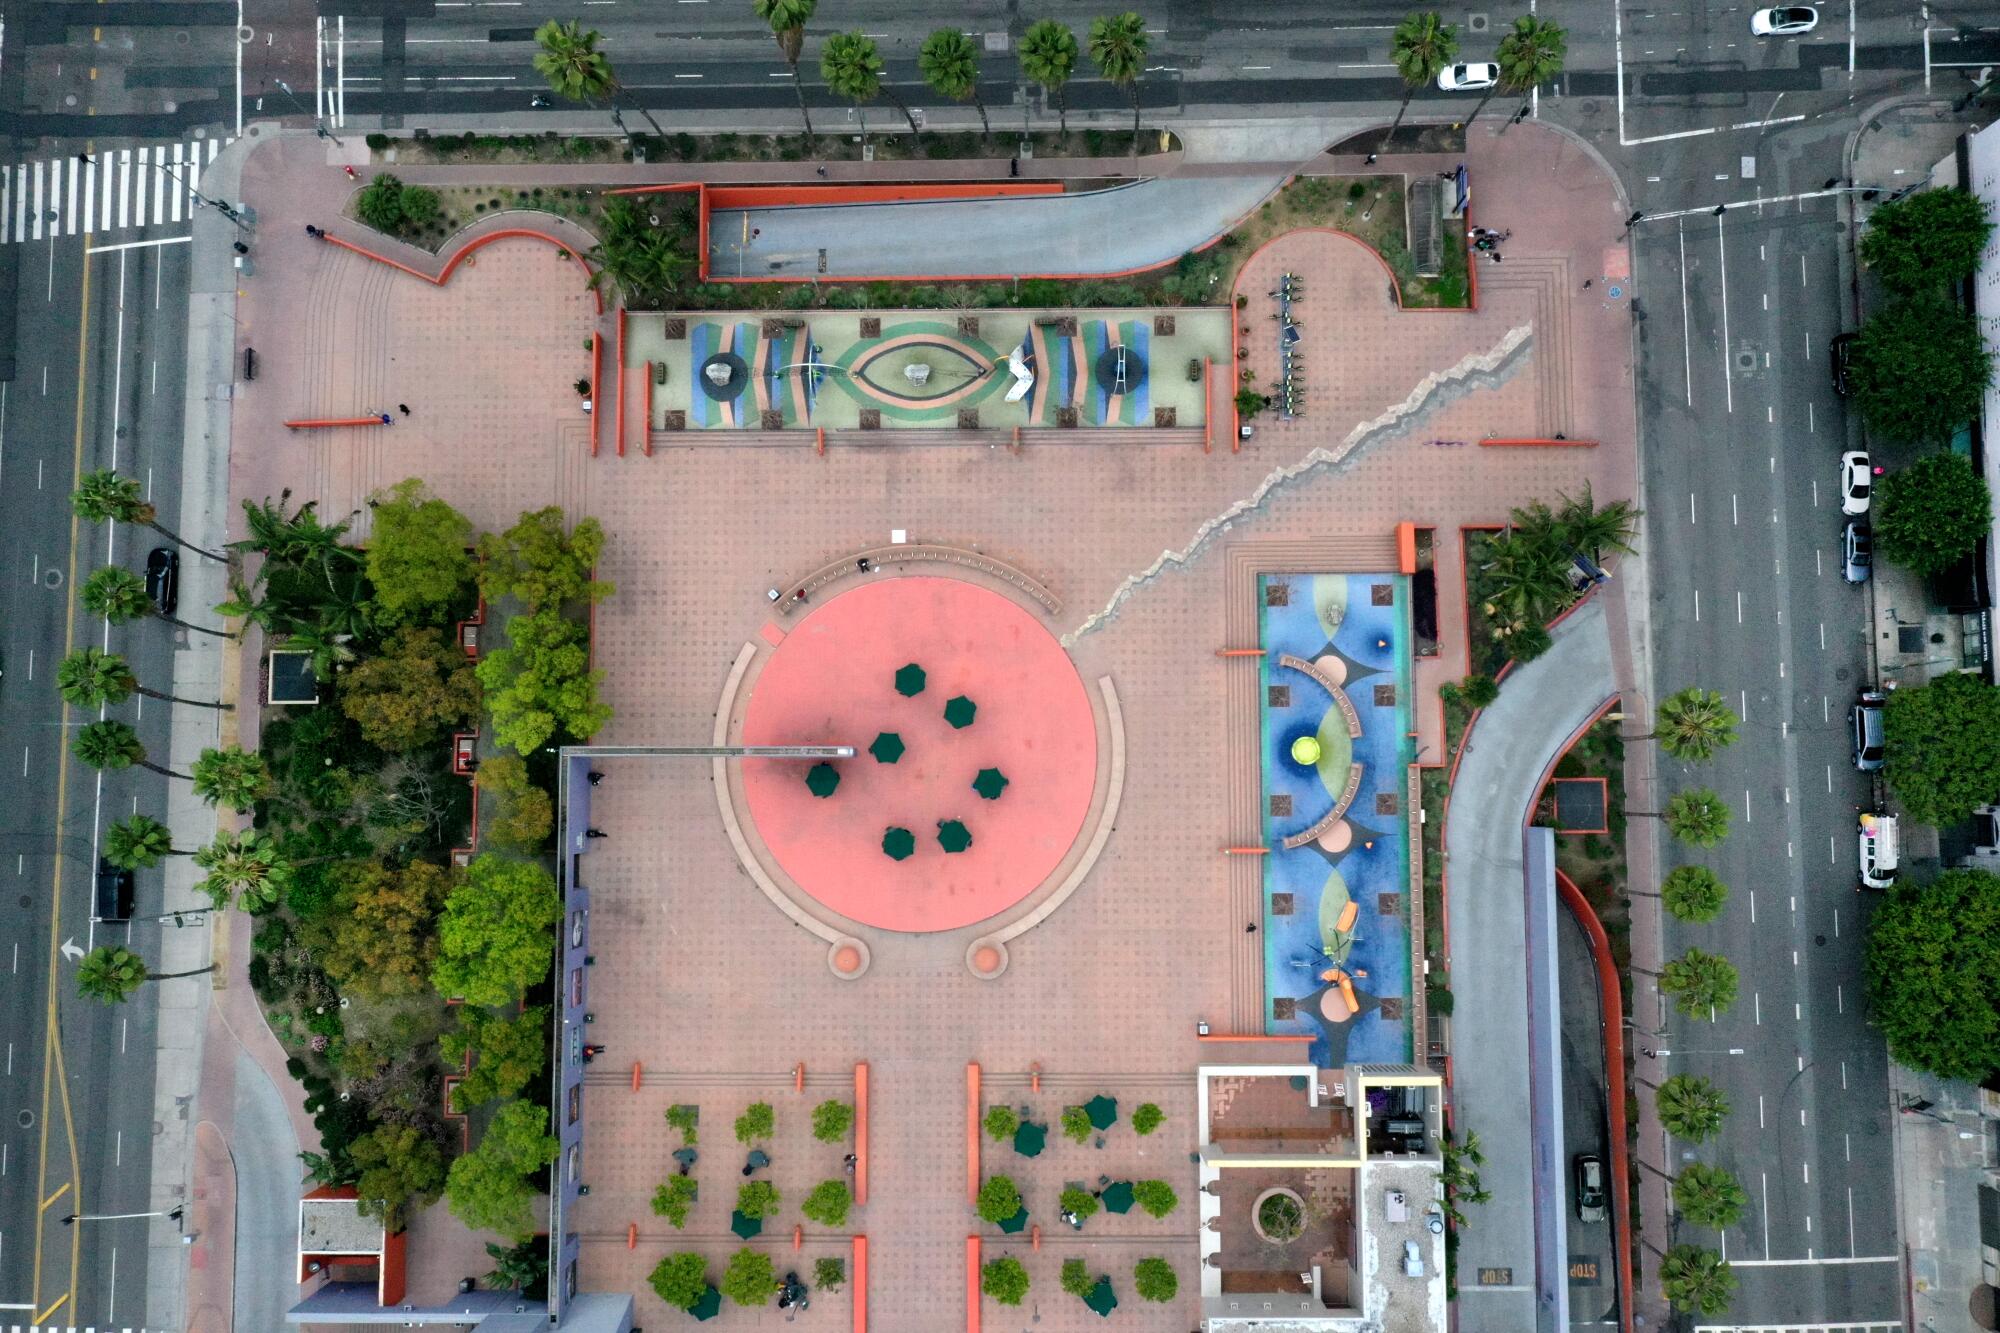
x=61 y=1301
x=53 y=1197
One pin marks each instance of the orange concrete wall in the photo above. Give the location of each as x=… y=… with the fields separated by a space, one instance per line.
x=972 y=1284
x=971 y=1133
x=861 y=1284
x=621 y=381
x=861 y=1132
x=1535 y=443
x=791 y=196
x=395 y=1265
x=1406 y=548
x=596 y=387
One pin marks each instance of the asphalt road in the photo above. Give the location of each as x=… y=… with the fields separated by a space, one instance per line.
x=1593 y=1253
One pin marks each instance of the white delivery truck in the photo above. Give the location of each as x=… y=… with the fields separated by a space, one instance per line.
x=1881 y=851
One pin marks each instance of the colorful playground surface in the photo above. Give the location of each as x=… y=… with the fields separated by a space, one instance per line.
x=989 y=369
x=1335 y=687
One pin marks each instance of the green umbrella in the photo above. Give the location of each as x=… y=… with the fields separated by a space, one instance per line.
x=1102 y=1110
x=958 y=710
x=953 y=836
x=910 y=680
x=888 y=748
x=1016 y=1222
x=709 y=1306
x=990 y=783
x=1029 y=1138
x=898 y=844
x=1101 y=1299
x=1117 y=1197
x=821 y=779
x=746 y=1227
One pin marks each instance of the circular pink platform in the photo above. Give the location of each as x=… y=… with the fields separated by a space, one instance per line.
x=832 y=681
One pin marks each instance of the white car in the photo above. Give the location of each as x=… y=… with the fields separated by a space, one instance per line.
x=1857 y=483
x=1475 y=77
x=1784 y=21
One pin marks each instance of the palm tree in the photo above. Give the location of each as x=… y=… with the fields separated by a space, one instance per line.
x=91 y=676
x=1690 y=1107
x=120 y=595
x=1709 y=1196
x=1693 y=724
x=1422 y=45
x=1586 y=528
x=104 y=496
x=577 y=70
x=114 y=745
x=1694 y=894
x=1118 y=46
x=852 y=67
x=1529 y=55
x=1698 y=817
x=1048 y=57
x=1697 y=1279
x=244 y=867
x=111 y=973
x=643 y=261
x=1699 y=982
x=329 y=650
x=231 y=777
x=137 y=842
x=788 y=19
x=950 y=64
x=297 y=539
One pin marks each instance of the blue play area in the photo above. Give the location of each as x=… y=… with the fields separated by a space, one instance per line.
x=1336 y=904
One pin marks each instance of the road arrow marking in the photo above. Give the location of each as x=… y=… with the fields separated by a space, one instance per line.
x=71 y=950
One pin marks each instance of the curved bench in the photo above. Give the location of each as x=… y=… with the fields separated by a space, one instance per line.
x=1340 y=699
x=1327 y=821
x=882 y=557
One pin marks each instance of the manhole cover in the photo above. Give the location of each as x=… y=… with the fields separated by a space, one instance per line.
x=27 y=1119
x=244 y=33
x=1746 y=360
x=53 y=579
x=1820 y=940
x=27 y=901
x=69 y=99
x=181 y=38
x=1477 y=22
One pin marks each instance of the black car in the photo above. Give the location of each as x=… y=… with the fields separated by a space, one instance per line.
x=1840 y=352
x=163 y=579
x=114 y=894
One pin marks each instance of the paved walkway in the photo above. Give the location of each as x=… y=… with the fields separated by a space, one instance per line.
x=1509 y=750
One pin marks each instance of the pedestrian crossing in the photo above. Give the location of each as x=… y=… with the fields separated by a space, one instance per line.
x=114 y=189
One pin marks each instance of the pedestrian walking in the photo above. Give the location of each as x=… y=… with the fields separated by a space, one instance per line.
x=1493 y=255
x=314 y=232
x=1586 y=284
x=404 y=408
x=755 y=232
x=820 y=171
x=1013 y=166
x=350 y=173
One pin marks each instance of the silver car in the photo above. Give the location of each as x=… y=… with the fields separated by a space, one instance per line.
x=1866 y=716
x=1857 y=552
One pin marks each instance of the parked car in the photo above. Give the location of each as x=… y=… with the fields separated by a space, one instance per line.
x=1857 y=482
x=163 y=579
x=1881 y=850
x=1784 y=21
x=1477 y=76
x=114 y=894
x=1857 y=551
x=1841 y=352
x=1589 y=1170
x=1866 y=715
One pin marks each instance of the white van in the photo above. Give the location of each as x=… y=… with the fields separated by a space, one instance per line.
x=1881 y=851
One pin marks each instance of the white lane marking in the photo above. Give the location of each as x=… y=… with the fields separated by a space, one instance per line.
x=1764 y=1188
x=1687 y=340
x=35 y=230
x=1729 y=389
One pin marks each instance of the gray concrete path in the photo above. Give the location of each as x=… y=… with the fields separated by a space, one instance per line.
x=1515 y=740
x=1132 y=226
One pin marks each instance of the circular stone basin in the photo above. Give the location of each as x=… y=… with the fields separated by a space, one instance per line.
x=846 y=958
x=1279 y=1215
x=730 y=389
x=831 y=681
x=958 y=369
x=986 y=958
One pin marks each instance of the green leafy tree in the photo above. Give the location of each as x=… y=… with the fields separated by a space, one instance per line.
x=831 y=1120
x=138 y=842
x=104 y=496
x=380 y=203
x=120 y=596
x=496 y=936
x=1709 y=1196
x=685 y=1118
x=681 y=1280
x=379 y=939
x=1691 y=1107
x=829 y=1274
x=1943 y=747
x=111 y=972
x=787 y=20
x=758 y=1121
x=1694 y=894
x=1155 y=1280
x=1001 y=1122
x=243 y=867
x=1147 y=1117
x=1048 y=58
x=421 y=207
x=1076 y=1278
x=1004 y=1279
x=757 y=1198
x=1696 y=1279
x=402 y=1170
x=111 y=745
x=91 y=677
x=1919 y=367
x=1694 y=723
x=852 y=68
x=1157 y=1197
x=1696 y=817
x=1117 y=45
x=673 y=1199
x=419 y=562
x=508 y=1052
x=541 y=683
x=999 y=1199
x=1420 y=47
x=1931 y=514
x=523 y=1268
x=1079 y=1202
x=231 y=777
x=1929 y=966
x=417 y=688
x=828 y=1203
x=493 y=1187
x=949 y=62
x=519 y=816
x=1075 y=1124
x=1479 y=691
x=750 y=1278
x=1699 y=982
x=1531 y=53
x=1928 y=241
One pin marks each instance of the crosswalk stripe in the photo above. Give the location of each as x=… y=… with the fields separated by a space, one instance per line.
x=124 y=187
x=139 y=189
x=89 y=197
x=6 y=206
x=180 y=195
x=146 y=186
x=69 y=213
x=36 y=221
x=163 y=184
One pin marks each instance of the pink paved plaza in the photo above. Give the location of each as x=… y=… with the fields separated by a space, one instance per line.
x=700 y=978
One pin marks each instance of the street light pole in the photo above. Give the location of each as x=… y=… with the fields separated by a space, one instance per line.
x=319 y=126
x=73 y=1218
x=1664 y=1052
x=219 y=205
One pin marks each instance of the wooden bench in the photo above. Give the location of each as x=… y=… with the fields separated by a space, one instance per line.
x=1340 y=699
